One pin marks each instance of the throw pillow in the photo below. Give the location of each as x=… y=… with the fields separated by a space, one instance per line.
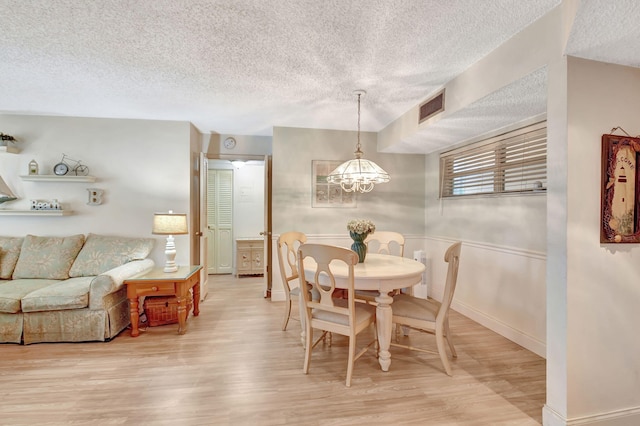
x=101 y=253
x=9 y=253
x=47 y=257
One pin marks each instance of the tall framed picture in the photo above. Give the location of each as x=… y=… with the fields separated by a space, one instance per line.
x=620 y=199
x=324 y=194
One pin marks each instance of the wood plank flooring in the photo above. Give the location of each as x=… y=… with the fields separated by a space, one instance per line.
x=234 y=366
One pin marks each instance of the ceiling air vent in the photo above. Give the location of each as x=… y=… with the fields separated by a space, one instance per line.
x=432 y=107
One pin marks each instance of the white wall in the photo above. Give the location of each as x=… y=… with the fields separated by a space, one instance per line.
x=603 y=280
x=248 y=200
x=213 y=145
x=501 y=283
x=143 y=167
x=397 y=205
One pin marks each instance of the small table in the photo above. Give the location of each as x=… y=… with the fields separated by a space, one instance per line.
x=159 y=283
x=379 y=272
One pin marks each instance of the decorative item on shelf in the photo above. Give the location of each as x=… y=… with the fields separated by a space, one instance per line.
x=6 y=139
x=359 y=229
x=170 y=224
x=95 y=196
x=5 y=192
x=7 y=143
x=68 y=164
x=33 y=167
x=358 y=174
x=45 y=205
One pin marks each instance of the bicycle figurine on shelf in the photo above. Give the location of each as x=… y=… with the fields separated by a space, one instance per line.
x=68 y=164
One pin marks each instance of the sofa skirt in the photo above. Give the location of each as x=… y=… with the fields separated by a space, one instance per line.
x=118 y=314
x=78 y=325
x=10 y=327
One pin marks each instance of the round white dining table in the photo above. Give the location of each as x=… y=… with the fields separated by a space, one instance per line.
x=382 y=273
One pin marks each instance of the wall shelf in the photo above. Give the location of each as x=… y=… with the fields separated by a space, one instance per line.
x=35 y=212
x=54 y=178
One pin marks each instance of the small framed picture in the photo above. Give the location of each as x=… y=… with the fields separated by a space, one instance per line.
x=620 y=197
x=325 y=194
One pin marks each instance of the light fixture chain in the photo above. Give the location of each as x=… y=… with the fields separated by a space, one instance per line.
x=358 y=147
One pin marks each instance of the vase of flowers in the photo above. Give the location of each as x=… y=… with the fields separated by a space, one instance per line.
x=358 y=230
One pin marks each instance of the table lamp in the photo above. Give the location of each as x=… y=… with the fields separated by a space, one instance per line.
x=170 y=224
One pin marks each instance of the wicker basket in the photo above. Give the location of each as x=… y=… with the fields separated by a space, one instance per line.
x=161 y=310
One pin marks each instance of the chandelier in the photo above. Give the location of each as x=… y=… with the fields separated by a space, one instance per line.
x=358 y=174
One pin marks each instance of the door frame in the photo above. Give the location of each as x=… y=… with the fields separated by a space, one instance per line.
x=267 y=201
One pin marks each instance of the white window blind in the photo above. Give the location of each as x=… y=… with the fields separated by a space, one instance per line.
x=515 y=162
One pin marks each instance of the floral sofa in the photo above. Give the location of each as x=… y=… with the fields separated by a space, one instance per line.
x=67 y=289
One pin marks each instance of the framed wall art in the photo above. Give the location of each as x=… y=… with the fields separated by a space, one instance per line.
x=324 y=194
x=620 y=199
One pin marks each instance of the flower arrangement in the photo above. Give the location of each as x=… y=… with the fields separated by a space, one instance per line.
x=361 y=226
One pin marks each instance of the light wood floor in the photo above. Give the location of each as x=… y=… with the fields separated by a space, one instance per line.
x=236 y=367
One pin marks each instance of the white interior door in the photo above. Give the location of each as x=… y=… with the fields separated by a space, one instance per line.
x=268 y=261
x=203 y=234
x=220 y=221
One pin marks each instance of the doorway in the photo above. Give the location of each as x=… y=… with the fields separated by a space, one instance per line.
x=236 y=203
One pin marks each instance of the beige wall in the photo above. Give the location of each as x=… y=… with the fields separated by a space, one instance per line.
x=397 y=205
x=603 y=280
x=501 y=283
x=143 y=167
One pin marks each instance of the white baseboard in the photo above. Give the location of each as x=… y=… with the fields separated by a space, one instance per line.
x=537 y=347
x=626 y=417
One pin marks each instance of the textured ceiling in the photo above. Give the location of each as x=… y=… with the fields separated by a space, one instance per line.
x=244 y=66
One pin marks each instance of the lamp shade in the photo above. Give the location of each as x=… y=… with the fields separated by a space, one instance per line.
x=358 y=175
x=170 y=224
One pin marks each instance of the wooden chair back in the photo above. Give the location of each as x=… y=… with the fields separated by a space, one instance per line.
x=288 y=244
x=386 y=242
x=323 y=283
x=452 y=257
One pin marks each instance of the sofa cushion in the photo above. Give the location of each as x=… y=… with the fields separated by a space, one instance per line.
x=47 y=257
x=101 y=253
x=68 y=294
x=9 y=253
x=12 y=292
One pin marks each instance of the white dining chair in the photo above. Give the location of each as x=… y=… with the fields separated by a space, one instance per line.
x=386 y=242
x=288 y=244
x=326 y=313
x=430 y=315
x=383 y=242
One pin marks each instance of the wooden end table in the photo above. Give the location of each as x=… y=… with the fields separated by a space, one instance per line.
x=159 y=283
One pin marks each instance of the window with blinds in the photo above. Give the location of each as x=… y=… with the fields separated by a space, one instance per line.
x=515 y=162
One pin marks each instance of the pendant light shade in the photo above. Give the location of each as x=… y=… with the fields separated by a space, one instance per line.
x=359 y=174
